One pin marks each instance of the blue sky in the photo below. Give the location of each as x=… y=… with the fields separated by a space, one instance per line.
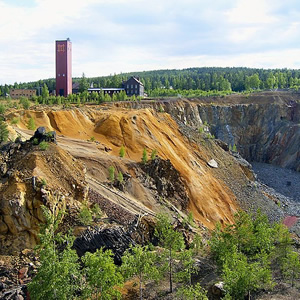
x=113 y=36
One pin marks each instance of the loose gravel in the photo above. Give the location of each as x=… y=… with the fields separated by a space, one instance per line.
x=284 y=181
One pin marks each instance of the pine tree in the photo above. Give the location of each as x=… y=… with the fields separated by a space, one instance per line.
x=111 y=171
x=122 y=151
x=153 y=154
x=171 y=240
x=103 y=277
x=31 y=124
x=145 y=156
x=139 y=261
x=58 y=276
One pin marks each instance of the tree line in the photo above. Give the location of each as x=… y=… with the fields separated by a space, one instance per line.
x=202 y=79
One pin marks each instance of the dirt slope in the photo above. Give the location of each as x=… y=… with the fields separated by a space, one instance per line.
x=210 y=199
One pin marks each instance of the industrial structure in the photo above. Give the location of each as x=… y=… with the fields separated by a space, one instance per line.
x=133 y=86
x=63 y=51
x=17 y=93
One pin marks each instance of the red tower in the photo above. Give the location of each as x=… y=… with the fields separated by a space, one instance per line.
x=63 y=50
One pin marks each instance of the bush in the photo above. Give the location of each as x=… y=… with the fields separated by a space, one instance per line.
x=120 y=177
x=85 y=216
x=2 y=109
x=31 y=124
x=145 y=156
x=195 y=292
x=122 y=151
x=3 y=132
x=35 y=141
x=44 y=145
x=111 y=171
x=14 y=121
x=25 y=102
x=153 y=154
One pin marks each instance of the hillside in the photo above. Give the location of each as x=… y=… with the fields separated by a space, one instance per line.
x=193 y=171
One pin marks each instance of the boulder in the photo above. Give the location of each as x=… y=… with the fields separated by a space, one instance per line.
x=212 y=163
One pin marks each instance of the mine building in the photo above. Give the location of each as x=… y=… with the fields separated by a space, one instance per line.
x=63 y=52
x=17 y=93
x=109 y=91
x=133 y=86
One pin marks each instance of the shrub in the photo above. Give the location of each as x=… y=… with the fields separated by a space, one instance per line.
x=97 y=212
x=31 y=124
x=44 y=145
x=25 y=102
x=35 y=141
x=2 y=109
x=43 y=182
x=111 y=171
x=120 y=177
x=189 y=292
x=145 y=156
x=122 y=151
x=14 y=121
x=3 y=132
x=85 y=216
x=153 y=154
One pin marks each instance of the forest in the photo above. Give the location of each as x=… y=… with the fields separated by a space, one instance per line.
x=174 y=82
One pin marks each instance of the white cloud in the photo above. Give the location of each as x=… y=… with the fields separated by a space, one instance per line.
x=135 y=35
x=251 y=12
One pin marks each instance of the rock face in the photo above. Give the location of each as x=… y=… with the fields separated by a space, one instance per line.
x=263 y=133
x=27 y=182
x=264 y=127
x=113 y=238
x=167 y=180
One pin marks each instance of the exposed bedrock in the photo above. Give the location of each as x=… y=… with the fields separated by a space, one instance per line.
x=262 y=132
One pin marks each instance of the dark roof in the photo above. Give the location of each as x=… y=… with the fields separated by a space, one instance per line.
x=137 y=80
x=105 y=89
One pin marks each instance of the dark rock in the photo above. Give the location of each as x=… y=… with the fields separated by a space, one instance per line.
x=167 y=180
x=41 y=135
x=3 y=286
x=114 y=238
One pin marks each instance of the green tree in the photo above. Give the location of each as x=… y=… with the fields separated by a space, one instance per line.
x=171 y=240
x=122 y=151
x=190 y=292
x=43 y=145
x=187 y=267
x=107 y=98
x=120 y=177
x=2 y=109
x=45 y=92
x=111 y=171
x=3 y=132
x=83 y=84
x=283 y=241
x=58 y=275
x=139 y=261
x=153 y=154
x=85 y=215
x=291 y=267
x=25 y=102
x=103 y=277
x=145 y=156
x=241 y=277
x=31 y=124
